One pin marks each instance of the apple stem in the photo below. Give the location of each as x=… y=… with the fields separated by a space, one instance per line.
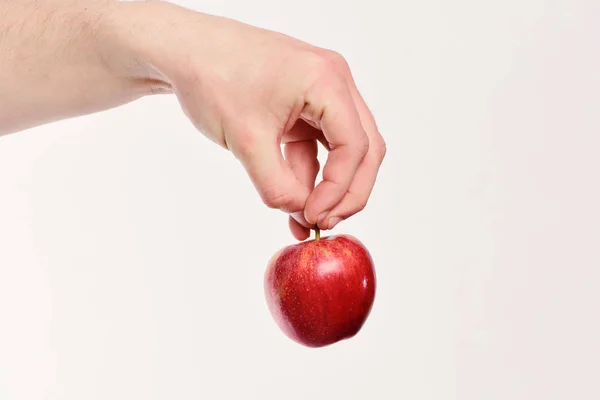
x=317 y=233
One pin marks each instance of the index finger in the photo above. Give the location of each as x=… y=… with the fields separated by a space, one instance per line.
x=364 y=180
x=331 y=107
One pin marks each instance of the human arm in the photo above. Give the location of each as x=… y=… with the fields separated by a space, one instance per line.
x=247 y=89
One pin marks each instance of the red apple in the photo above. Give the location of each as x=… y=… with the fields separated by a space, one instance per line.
x=321 y=291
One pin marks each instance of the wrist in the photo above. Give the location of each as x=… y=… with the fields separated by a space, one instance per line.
x=149 y=42
x=123 y=43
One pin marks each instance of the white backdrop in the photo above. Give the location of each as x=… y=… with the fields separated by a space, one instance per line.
x=132 y=249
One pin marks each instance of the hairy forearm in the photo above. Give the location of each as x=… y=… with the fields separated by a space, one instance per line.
x=64 y=58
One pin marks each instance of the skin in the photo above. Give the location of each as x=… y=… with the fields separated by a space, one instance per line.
x=321 y=291
x=247 y=89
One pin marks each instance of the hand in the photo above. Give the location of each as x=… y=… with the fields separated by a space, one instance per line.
x=250 y=91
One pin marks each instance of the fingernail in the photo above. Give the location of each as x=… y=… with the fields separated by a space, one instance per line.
x=322 y=217
x=299 y=218
x=333 y=222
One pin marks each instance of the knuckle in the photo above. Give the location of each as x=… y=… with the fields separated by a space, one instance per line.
x=361 y=205
x=380 y=150
x=323 y=79
x=313 y=61
x=337 y=60
x=328 y=64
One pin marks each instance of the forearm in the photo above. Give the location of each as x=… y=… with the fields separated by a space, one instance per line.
x=248 y=89
x=63 y=58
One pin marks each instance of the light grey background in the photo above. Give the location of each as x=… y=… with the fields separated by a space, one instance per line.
x=132 y=250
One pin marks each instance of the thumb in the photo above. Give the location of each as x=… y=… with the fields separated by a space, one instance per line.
x=272 y=177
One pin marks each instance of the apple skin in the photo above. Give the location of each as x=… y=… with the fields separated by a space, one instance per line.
x=321 y=291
